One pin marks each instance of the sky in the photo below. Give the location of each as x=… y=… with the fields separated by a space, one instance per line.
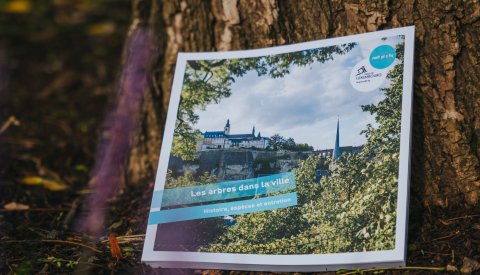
x=303 y=105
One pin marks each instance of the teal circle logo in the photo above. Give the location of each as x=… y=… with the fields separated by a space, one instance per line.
x=382 y=56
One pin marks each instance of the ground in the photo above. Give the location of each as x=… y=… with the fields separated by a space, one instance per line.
x=63 y=60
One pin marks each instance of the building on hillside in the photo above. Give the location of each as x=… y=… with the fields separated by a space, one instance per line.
x=212 y=140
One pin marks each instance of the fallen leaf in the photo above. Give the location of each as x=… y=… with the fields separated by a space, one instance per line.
x=81 y=168
x=32 y=180
x=451 y=268
x=116 y=225
x=49 y=184
x=469 y=265
x=18 y=6
x=53 y=185
x=84 y=191
x=16 y=206
x=114 y=247
x=100 y=29
x=445 y=222
x=92 y=259
x=10 y=121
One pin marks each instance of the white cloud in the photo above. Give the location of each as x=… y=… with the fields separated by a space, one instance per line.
x=303 y=105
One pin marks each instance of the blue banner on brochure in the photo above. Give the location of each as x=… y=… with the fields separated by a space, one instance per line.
x=224 y=190
x=223 y=209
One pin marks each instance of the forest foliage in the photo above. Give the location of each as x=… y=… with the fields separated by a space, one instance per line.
x=278 y=142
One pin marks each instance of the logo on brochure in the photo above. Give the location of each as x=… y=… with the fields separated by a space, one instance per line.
x=369 y=74
x=382 y=57
x=361 y=71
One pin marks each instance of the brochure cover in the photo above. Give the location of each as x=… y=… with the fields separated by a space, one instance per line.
x=291 y=158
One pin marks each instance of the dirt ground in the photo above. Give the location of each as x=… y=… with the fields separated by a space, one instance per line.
x=61 y=60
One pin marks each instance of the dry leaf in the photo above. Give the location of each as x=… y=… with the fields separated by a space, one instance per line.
x=469 y=265
x=18 y=6
x=100 y=29
x=451 y=268
x=16 y=206
x=445 y=222
x=10 y=121
x=114 y=247
x=49 y=184
x=53 y=185
x=84 y=191
x=32 y=180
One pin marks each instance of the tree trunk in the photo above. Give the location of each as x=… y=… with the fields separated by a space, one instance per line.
x=446 y=113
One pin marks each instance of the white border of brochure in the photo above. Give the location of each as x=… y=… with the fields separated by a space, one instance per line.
x=308 y=262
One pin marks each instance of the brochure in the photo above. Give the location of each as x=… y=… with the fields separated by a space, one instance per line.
x=290 y=158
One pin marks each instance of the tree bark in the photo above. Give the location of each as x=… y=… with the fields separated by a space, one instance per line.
x=446 y=113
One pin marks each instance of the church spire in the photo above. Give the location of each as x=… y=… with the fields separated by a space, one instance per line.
x=336 y=152
x=226 y=130
x=253 y=131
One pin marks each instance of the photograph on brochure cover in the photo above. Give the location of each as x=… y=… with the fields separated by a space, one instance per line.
x=292 y=150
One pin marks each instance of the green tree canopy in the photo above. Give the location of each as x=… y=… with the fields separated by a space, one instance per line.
x=278 y=142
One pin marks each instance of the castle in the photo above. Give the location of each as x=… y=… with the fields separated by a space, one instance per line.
x=224 y=140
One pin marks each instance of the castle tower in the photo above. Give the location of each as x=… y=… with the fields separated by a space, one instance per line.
x=336 y=151
x=226 y=130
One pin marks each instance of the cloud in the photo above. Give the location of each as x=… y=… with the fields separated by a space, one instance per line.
x=303 y=105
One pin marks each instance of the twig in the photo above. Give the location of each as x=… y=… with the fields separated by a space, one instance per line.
x=71 y=213
x=127 y=238
x=11 y=120
x=132 y=236
x=9 y=267
x=445 y=237
x=25 y=142
x=436 y=253
x=55 y=241
x=360 y=271
x=462 y=217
